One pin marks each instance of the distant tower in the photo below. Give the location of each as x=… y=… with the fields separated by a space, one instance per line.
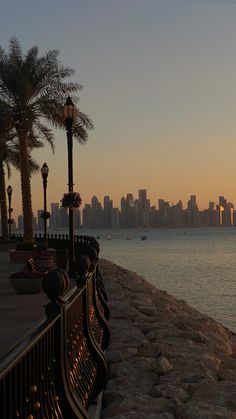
x=63 y=219
x=53 y=220
x=77 y=219
x=87 y=216
x=123 y=212
x=96 y=213
x=40 y=224
x=130 y=211
x=108 y=205
x=192 y=212
x=115 y=218
x=20 y=222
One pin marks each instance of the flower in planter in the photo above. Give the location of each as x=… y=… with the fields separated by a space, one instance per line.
x=44 y=261
x=71 y=200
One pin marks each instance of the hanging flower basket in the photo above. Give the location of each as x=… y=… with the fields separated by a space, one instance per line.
x=45 y=215
x=71 y=200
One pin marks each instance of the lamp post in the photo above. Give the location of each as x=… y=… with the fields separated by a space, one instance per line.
x=44 y=172
x=9 y=193
x=69 y=115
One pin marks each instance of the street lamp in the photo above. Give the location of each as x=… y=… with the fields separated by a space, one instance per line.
x=45 y=215
x=9 y=193
x=69 y=115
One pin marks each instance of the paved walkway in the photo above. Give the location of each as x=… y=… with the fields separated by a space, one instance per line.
x=18 y=312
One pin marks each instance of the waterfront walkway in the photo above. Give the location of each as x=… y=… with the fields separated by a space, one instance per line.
x=18 y=312
x=166 y=360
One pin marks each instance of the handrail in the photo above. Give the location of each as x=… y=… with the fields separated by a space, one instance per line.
x=60 y=365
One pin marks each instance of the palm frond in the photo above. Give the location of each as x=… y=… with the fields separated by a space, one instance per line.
x=15 y=51
x=34 y=167
x=46 y=133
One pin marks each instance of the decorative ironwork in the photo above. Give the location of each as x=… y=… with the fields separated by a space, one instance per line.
x=57 y=369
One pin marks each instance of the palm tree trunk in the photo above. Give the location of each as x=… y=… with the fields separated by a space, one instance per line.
x=26 y=190
x=3 y=202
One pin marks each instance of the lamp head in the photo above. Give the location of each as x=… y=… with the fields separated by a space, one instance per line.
x=9 y=190
x=69 y=109
x=44 y=171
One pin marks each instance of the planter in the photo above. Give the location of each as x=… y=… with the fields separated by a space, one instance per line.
x=26 y=282
x=27 y=285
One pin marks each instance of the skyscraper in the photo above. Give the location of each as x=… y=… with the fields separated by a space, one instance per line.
x=108 y=205
x=86 y=216
x=96 y=213
x=192 y=212
x=53 y=221
x=40 y=224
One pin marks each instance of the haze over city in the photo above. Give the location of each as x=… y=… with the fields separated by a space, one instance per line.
x=136 y=211
x=159 y=85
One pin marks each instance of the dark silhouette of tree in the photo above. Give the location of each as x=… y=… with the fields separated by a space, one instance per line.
x=32 y=93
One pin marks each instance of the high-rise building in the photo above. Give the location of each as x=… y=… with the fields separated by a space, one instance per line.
x=77 y=219
x=130 y=211
x=211 y=214
x=143 y=208
x=86 y=216
x=20 y=222
x=63 y=218
x=225 y=212
x=123 y=212
x=153 y=219
x=107 y=210
x=163 y=213
x=115 y=218
x=53 y=221
x=40 y=223
x=177 y=215
x=96 y=213
x=193 y=219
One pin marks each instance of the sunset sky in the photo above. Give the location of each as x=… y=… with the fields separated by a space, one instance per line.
x=159 y=81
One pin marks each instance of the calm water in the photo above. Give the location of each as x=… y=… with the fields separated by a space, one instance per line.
x=197 y=265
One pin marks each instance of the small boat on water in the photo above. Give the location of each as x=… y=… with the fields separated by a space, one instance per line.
x=128 y=238
x=98 y=237
x=143 y=237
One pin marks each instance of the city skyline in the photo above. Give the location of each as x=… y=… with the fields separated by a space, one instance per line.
x=161 y=93
x=138 y=212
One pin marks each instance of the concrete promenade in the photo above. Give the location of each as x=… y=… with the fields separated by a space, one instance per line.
x=18 y=312
x=166 y=360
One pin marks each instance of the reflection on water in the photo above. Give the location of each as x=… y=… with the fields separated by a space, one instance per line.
x=197 y=265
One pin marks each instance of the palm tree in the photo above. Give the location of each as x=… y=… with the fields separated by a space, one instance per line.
x=9 y=156
x=33 y=90
x=4 y=160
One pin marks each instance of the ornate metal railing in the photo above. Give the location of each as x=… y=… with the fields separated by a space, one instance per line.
x=52 y=237
x=60 y=367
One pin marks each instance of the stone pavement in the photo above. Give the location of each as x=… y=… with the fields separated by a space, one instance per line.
x=18 y=312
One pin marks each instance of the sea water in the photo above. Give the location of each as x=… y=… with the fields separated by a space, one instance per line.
x=197 y=265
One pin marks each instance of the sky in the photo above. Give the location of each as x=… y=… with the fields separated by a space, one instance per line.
x=159 y=82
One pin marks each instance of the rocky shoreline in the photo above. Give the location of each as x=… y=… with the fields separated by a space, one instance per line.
x=166 y=360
